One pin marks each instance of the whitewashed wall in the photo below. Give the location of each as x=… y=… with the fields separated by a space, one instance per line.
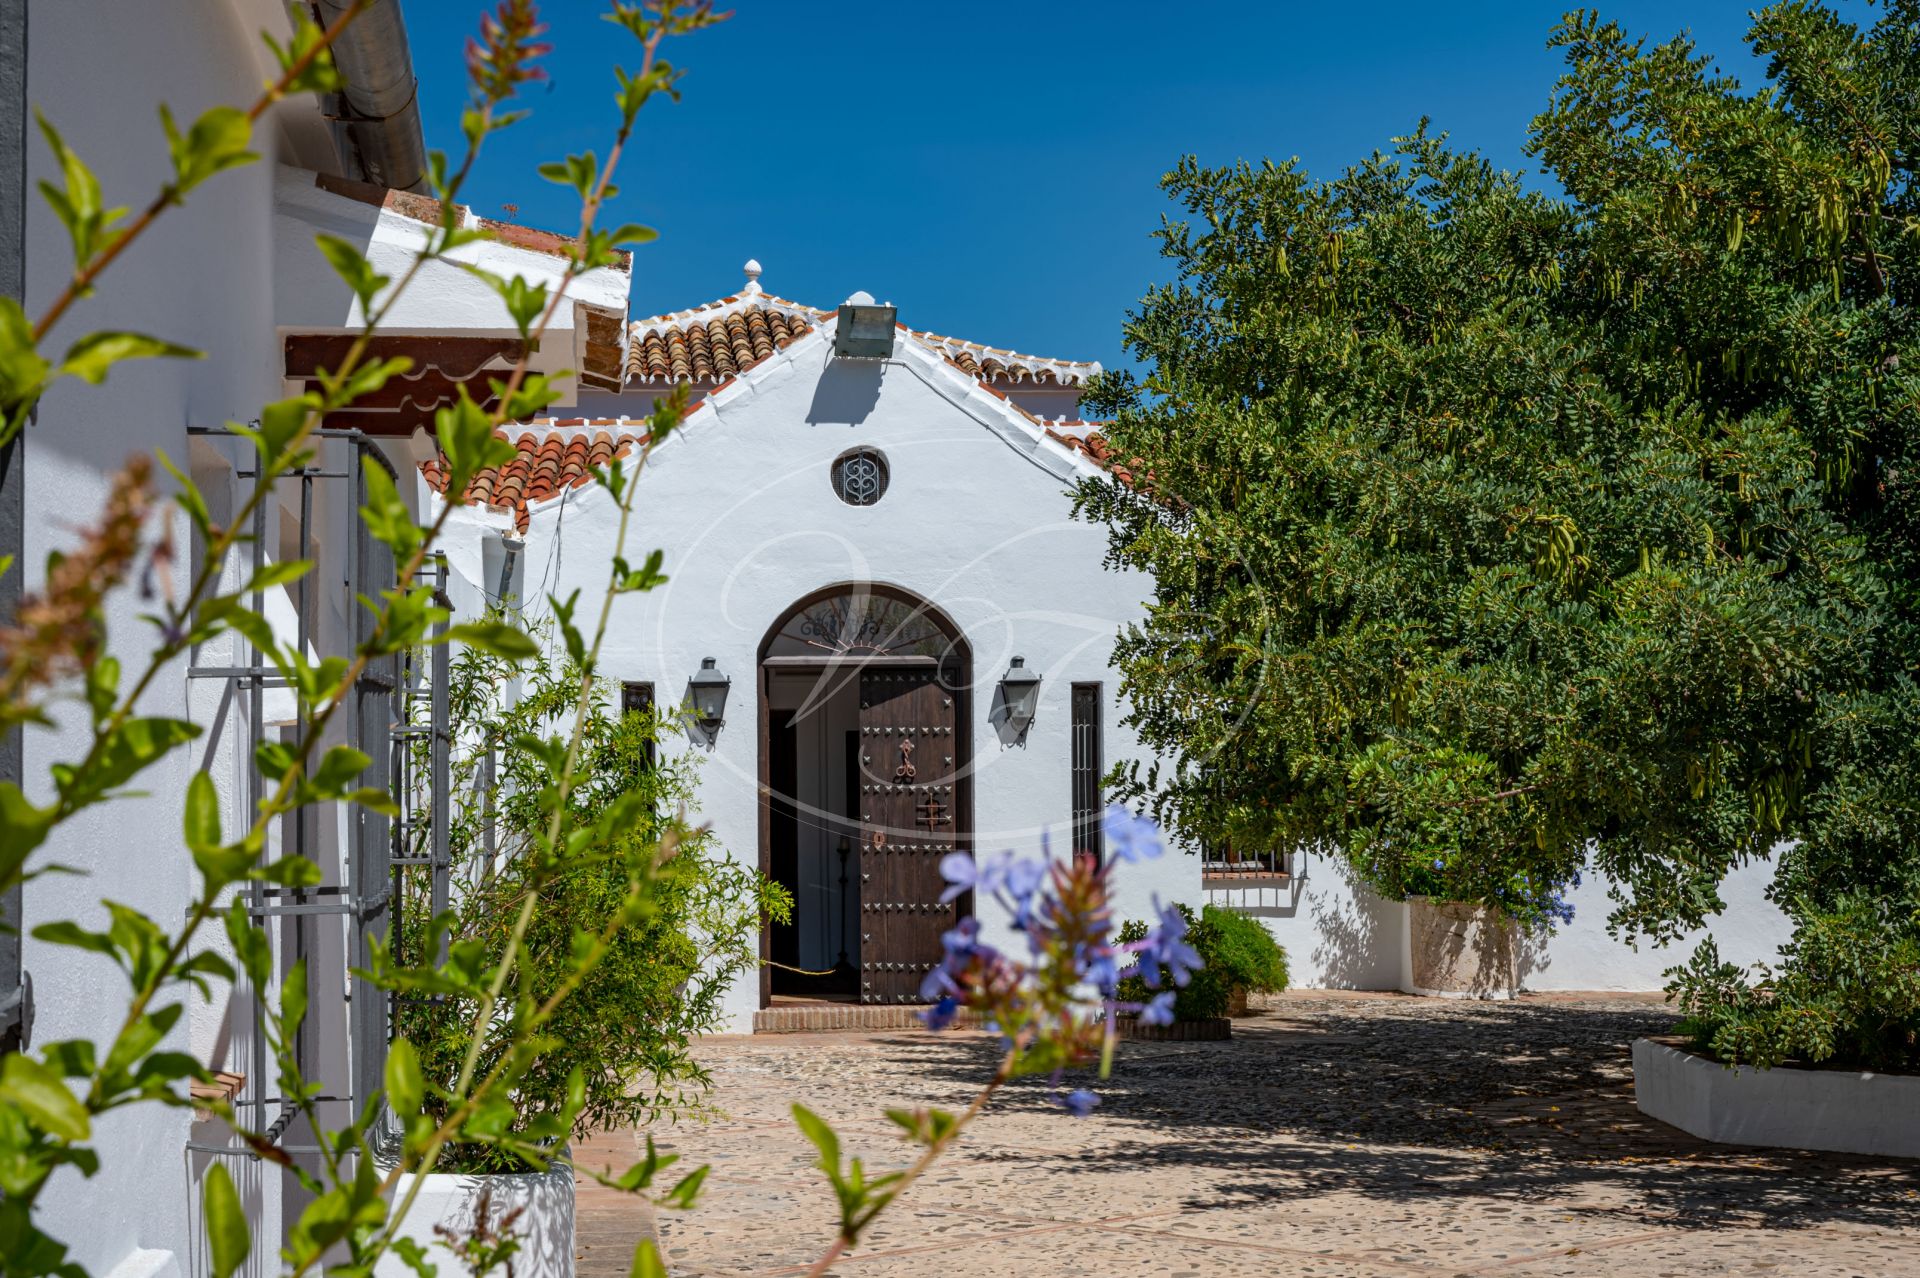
x=976 y=520
x=1339 y=934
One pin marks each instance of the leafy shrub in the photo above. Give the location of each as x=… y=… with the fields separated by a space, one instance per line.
x=1243 y=951
x=1847 y=992
x=1206 y=992
x=628 y=1027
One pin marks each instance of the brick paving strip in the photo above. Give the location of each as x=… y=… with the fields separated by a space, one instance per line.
x=1335 y=1134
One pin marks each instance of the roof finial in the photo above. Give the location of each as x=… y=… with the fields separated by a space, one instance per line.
x=753 y=276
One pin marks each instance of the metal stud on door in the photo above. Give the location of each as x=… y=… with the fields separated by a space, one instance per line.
x=907 y=722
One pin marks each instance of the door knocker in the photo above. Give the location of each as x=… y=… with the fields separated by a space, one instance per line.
x=904 y=773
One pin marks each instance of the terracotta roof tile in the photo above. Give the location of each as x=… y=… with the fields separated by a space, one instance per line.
x=548 y=463
x=721 y=338
x=696 y=346
x=1098 y=449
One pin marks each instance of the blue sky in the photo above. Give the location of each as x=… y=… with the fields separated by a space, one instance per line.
x=992 y=168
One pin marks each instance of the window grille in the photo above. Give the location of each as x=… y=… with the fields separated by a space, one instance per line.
x=637 y=698
x=1221 y=862
x=860 y=476
x=1089 y=835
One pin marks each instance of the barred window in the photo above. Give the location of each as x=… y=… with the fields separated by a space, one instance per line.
x=1089 y=835
x=860 y=476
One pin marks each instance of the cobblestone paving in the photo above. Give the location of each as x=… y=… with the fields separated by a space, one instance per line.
x=1334 y=1135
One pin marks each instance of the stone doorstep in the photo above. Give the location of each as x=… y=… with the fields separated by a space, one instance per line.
x=1839 y=1111
x=815 y=1018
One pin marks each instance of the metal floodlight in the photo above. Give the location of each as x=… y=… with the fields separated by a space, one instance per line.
x=709 y=694
x=865 y=329
x=1020 y=687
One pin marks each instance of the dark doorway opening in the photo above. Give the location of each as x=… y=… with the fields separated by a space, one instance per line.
x=863 y=746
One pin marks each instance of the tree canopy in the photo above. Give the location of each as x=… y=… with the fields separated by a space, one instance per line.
x=1499 y=529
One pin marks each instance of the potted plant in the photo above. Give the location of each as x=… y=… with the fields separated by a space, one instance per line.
x=1201 y=1006
x=617 y=1053
x=1245 y=954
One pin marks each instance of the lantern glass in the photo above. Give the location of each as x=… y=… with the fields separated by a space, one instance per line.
x=1021 y=689
x=710 y=695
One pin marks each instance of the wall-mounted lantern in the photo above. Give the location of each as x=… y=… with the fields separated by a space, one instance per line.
x=708 y=692
x=864 y=329
x=1020 y=690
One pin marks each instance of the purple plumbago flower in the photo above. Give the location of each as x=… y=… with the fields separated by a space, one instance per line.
x=964 y=873
x=1131 y=838
x=1054 y=1000
x=1158 y=1010
x=1101 y=969
x=941 y=1014
x=1166 y=946
x=1079 y=1102
x=962 y=948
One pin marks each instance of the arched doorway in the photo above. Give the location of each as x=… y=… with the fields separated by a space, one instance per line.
x=863 y=720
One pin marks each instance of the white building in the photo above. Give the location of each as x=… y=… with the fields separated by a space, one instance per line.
x=876 y=550
x=832 y=522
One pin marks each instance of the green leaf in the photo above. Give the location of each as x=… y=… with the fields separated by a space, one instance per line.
x=351 y=265
x=633 y=233
x=406 y=1085
x=67 y=932
x=386 y=516
x=684 y=1193
x=498 y=638
x=249 y=944
x=43 y=1098
x=91 y=356
x=202 y=818
x=278 y=574
x=125 y=752
x=23 y=826
x=103 y=688
x=217 y=141
x=228 y=1236
x=466 y=436
x=817 y=1131
x=646 y=1261
x=293 y=999
x=338 y=767
x=77 y=203
x=23 y=372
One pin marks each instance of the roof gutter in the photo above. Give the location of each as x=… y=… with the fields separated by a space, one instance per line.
x=377 y=120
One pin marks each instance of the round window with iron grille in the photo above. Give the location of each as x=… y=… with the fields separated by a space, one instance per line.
x=860 y=476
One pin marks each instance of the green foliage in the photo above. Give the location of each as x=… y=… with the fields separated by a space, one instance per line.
x=626 y=1028
x=1207 y=992
x=1243 y=951
x=1492 y=530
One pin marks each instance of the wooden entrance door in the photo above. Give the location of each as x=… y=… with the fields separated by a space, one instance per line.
x=908 y=747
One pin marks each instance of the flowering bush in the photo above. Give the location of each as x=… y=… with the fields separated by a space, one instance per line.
x=1237 y=952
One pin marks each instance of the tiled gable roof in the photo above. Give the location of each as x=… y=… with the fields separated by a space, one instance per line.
x=554 y=456
x=992 y=365
x=713 y=342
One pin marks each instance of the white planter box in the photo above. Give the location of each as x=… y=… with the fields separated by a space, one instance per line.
x=1830 y=1109
x=544 y=1227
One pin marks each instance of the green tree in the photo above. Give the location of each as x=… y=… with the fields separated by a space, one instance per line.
x=1495 y=532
